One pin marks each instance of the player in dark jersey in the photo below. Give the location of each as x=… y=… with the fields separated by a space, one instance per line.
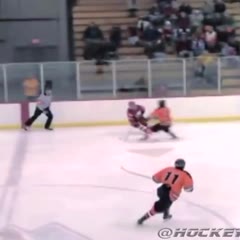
x=173 y=180
x=136 y=119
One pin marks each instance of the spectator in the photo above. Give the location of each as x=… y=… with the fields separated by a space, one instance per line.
x=210 y=38
x=162 y=3
x=133 y=38
x=184 y=46
x=183 y=21
x=31 y=88
x=175 y=25
x=167 y=30
x=180 y=32
x=93 y=32
x=235 y=44
x=155 y=16
x=154 y=10
x=169 y=46
x=228 y=19
x=116 y=36
x=228 y=50
x=219 y=6
x=225 y=33
x=209 y=20
x=175 y=5
x=198 y=46
x=142 y=24
x=185 y=7
x=92 y=37
x=150 y=34
x=208 y=7
x=95 y=45
x=132 y=7
x=218 y=19
x=159 y=52
x=150 y=38
x=206 y=67
x=174 y=15
x=196 y=19
x=169 y=12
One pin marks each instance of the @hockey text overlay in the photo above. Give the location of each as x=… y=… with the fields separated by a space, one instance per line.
x=168 y=233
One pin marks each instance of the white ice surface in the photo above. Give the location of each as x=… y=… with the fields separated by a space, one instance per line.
x=74 y=177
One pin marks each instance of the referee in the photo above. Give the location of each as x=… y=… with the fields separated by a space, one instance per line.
x=43 y=106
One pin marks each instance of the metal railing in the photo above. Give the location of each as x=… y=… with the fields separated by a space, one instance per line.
x=131 y=78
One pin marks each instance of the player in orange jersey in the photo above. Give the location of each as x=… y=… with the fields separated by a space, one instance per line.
x=173 y=180
x=163 y=115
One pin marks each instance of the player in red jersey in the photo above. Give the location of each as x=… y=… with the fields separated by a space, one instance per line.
x=173 y=180
x=136 y=119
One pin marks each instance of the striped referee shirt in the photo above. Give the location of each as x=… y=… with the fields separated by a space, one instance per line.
x=44 y=101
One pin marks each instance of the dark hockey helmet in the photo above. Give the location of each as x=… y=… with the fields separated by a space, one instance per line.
x=180 y=164
x=162 y=103
x=131 y=104
x=47 y=92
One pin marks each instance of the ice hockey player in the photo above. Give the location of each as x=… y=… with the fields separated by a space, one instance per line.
x=136 y=119
x=173 y=180
x=43 y=106
x=163 y=115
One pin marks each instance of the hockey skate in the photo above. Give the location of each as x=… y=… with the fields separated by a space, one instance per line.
x=145 y=137
x=26 y=128
x=49 y=129
x=140 y=222
x=143 y=218
x=147 y=134
x=166 y=215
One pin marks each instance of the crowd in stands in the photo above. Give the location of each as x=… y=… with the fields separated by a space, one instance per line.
x=170 y=27
x=99 y=47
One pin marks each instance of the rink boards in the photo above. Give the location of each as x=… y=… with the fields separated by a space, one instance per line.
x=113 y=112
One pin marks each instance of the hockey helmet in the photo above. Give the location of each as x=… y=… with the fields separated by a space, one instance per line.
x=131 y=104
x=162 y=103
x=180 y=163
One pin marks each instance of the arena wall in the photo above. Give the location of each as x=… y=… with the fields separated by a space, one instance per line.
x=10 y=116
x=100 y=113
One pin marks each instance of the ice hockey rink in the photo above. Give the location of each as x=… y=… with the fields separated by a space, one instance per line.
x=92 y=183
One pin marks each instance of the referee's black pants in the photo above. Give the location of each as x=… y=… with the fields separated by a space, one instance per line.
x=37 y=113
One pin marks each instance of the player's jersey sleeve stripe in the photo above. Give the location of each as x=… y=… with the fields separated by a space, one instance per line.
x=173 y=196
x=154 y=178
x=188 y=189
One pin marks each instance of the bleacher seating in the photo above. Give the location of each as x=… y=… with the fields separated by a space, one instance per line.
x=114 y=12
x=106 y=13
